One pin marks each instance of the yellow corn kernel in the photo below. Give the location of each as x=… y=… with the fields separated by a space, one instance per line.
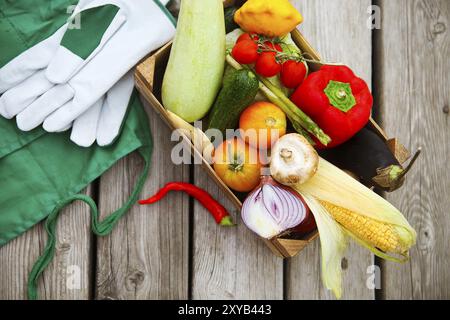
x=379 y=234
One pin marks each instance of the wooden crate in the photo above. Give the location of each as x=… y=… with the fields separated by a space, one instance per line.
x=148 y=77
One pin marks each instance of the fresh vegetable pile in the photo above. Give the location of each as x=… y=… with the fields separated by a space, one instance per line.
x=343 y=208
x=276 y=116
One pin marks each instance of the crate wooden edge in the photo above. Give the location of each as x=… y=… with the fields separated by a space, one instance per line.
x=144 y=91
x=144 y=78
x=283 y=248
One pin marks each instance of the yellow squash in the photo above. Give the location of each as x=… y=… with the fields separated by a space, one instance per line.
x=272 y=18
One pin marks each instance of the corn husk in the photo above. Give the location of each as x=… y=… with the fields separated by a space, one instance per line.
x=335 y=186
x=333 y=244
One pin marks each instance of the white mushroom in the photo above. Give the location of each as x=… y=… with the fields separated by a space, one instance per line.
x=293 y=160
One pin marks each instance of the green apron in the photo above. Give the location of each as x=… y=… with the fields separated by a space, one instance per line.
x=40 y=173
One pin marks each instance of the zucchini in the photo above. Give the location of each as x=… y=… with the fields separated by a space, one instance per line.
x=238 y=91
x=195 y=68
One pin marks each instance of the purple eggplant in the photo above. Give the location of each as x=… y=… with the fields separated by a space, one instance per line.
x=369 y=158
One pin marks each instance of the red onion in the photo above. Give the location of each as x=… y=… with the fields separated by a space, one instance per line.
x=272 y=209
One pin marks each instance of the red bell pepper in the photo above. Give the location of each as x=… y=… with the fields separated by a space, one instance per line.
x=337 y=100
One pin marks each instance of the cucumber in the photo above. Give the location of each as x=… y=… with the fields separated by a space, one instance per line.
x=230 y=24
x=197 y=59
x=238 y=91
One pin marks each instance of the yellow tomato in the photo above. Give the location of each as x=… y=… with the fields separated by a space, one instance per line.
x=272 y=18
x=262 y=124
x=238 y=165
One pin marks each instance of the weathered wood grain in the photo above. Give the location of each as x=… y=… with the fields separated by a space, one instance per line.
x=69 y=274
x=412 y=60
x=230 y=263
x=338 y=30
x=146 y=256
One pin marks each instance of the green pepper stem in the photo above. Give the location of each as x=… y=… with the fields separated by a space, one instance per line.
x=227 y=222
x=340 y=95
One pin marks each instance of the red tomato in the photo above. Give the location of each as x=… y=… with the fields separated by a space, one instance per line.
x=293 y=73
x=267 y=65
x=245 y=52
x=247 y=36
x=237 y=164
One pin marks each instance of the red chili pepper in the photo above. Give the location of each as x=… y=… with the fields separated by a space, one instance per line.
x=219 y=213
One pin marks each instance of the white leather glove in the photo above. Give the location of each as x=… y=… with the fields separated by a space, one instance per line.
x=59 y=57
x=36 y=58
x=83 y=77
x=146 y=29
x=103 y=120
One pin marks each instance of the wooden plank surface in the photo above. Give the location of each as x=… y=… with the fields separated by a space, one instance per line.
x=230 y=263
x=68 y=275
x=146 y=256
x=153 y=253
x=413 y=50
x=337 y=30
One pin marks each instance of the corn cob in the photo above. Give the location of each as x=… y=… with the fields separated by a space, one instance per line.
x=344 y=208
x=379 y=234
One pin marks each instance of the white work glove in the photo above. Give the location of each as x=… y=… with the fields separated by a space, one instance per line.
x=85 y=79
x=146 y=29
x=103 y=120
x=59 y=57
x=34 y=59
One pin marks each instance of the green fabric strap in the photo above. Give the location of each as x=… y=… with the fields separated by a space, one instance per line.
x=100 y=228
x=94 y=22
